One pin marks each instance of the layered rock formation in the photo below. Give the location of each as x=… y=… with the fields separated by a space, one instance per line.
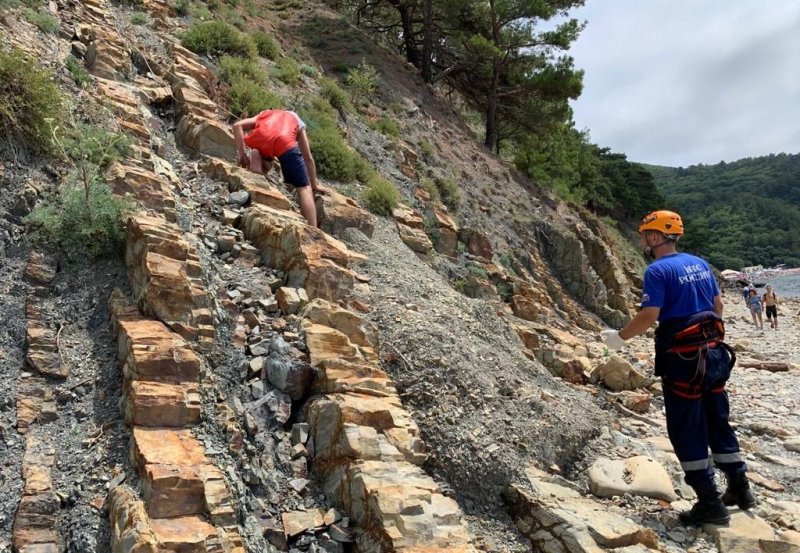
x=366 y=447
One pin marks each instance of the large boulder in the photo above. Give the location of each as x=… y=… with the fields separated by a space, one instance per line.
x=446 y=242
x=638 y=475
x=618 y=374
x=477 y=243
x=558 y=519
x=336 y=212
x=205 y=136
x=259 y=189
x=308 y=257
x=359 y=331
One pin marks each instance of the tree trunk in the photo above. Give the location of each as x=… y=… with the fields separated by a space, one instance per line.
x=407 y=23
x=490 y=140
x=427 y=42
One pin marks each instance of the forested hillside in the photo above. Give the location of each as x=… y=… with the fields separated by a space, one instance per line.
x=741 y=213
x=508 y=64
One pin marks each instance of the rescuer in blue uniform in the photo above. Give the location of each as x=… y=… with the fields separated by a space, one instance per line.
x=694 y=363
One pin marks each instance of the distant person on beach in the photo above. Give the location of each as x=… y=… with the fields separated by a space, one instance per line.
x=279 y=134
x=681 y=293
x=746 y=294
x=754 y=303
x=771 y=306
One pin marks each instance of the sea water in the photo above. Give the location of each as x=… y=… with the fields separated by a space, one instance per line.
x=787 y=286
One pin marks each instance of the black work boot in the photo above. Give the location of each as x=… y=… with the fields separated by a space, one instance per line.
x=708 y=509
x=738 y=492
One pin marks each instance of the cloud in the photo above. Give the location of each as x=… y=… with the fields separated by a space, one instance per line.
x=680 y=82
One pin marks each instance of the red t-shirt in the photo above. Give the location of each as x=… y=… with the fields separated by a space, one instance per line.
x=275 y=132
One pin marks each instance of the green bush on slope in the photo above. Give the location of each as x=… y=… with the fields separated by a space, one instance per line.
x=216 y=38
x=380 y=196
x=266 y=45
x=85 y=217
x=249 y=91
x=334 y=158
x=43 y=20
x=30 y=103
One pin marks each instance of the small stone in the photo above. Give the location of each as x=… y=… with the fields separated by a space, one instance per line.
x=240 y=197
x=225 y=243
x=298 y=451
x=279 y=346
x=259 y=349
x=257 y=389
x=290 y=300
x=332 y=516
x=230 y=217
x=339 y=534
x=300 y=433
x=98 y=502
x=299 y=484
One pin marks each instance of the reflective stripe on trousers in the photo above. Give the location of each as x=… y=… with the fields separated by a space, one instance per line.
x=699 y=421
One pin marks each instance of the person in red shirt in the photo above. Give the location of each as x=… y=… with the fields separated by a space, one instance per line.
x=279 y=134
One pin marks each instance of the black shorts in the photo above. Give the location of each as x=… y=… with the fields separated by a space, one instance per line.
x=772 y=311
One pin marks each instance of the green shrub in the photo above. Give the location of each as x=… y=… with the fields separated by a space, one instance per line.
x=477 y=271
x=183 y=7
x=10 y=4
x=363 y=82
x=308 y=70
x=217 y=37
x=334 y=159
x=249 y=91
x=287 y=71
x=201 y=11
x=81 y=221
x=331 y=91
x=248 y=98
x=507 y=261
x=380 y=196
x=85 y=217
x=430 y=187
x=79 y=73
x=43 y=20
x=431 y=227
x=237 y=67
x=426 y=149
x=505 y=290
x=30 y=103
x=251 y=8
x=386 y=126
x=95 y=146
x=266 y=45
x=448 y=189
x=236 y=19
x=140 y=18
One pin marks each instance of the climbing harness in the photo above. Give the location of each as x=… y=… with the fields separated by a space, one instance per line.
x=693 y=342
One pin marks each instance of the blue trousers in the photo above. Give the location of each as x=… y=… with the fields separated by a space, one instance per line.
x=697 y=410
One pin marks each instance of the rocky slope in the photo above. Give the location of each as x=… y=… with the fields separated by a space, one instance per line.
x=238 y=381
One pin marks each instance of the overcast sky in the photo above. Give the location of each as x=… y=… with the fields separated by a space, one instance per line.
x=681 y=82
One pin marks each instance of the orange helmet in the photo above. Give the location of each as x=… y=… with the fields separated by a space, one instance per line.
x=667 y=222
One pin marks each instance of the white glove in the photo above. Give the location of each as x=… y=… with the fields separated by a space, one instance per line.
x=611 y=339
